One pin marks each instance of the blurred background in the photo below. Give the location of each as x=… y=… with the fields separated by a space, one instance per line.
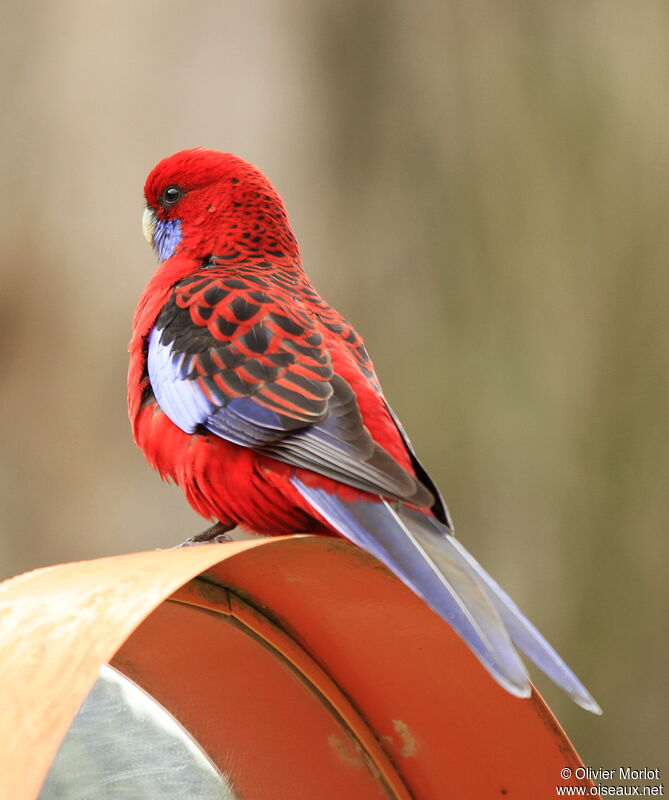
x=480 y=187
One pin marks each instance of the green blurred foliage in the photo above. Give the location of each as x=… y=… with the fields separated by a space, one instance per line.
x=481 y=187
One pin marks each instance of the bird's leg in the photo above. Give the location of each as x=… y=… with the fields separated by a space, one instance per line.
x=217 y=533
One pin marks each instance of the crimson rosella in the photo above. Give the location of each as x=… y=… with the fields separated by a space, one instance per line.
x=259 y=400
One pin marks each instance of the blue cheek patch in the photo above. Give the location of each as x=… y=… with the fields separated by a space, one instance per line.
x=166 y=237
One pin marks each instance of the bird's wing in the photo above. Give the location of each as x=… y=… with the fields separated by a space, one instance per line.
x=226 y=355
x=439 y=508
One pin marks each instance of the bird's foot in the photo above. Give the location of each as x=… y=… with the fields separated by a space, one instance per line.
x=214 y=535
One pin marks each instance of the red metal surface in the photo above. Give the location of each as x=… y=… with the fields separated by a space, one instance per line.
x=311 y=673
x=451 y=730
x=268 y=721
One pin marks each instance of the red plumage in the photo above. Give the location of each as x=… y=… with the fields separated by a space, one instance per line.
x=234 y=226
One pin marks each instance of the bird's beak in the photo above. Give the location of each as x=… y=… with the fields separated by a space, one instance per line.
x=149 y=225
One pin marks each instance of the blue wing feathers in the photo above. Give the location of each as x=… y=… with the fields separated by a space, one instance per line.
x=327 y=436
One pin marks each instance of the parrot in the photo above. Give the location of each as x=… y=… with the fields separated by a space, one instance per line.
x=260 y=401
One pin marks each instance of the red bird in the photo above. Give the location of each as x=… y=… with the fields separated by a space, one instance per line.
x=257 y=398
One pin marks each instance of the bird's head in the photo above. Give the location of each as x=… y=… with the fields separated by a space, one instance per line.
x=213 y=207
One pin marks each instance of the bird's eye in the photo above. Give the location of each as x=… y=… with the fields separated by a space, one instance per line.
x=170 y=196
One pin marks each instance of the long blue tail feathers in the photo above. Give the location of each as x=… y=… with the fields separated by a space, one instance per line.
x=425 y=556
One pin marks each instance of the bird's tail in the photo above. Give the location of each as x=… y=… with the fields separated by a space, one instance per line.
x=425 y=556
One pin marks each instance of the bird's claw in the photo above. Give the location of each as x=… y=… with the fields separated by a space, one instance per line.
x=214 y=535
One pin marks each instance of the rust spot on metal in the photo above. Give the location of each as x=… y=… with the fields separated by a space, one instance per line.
x=409 y=745
x=346 y=751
